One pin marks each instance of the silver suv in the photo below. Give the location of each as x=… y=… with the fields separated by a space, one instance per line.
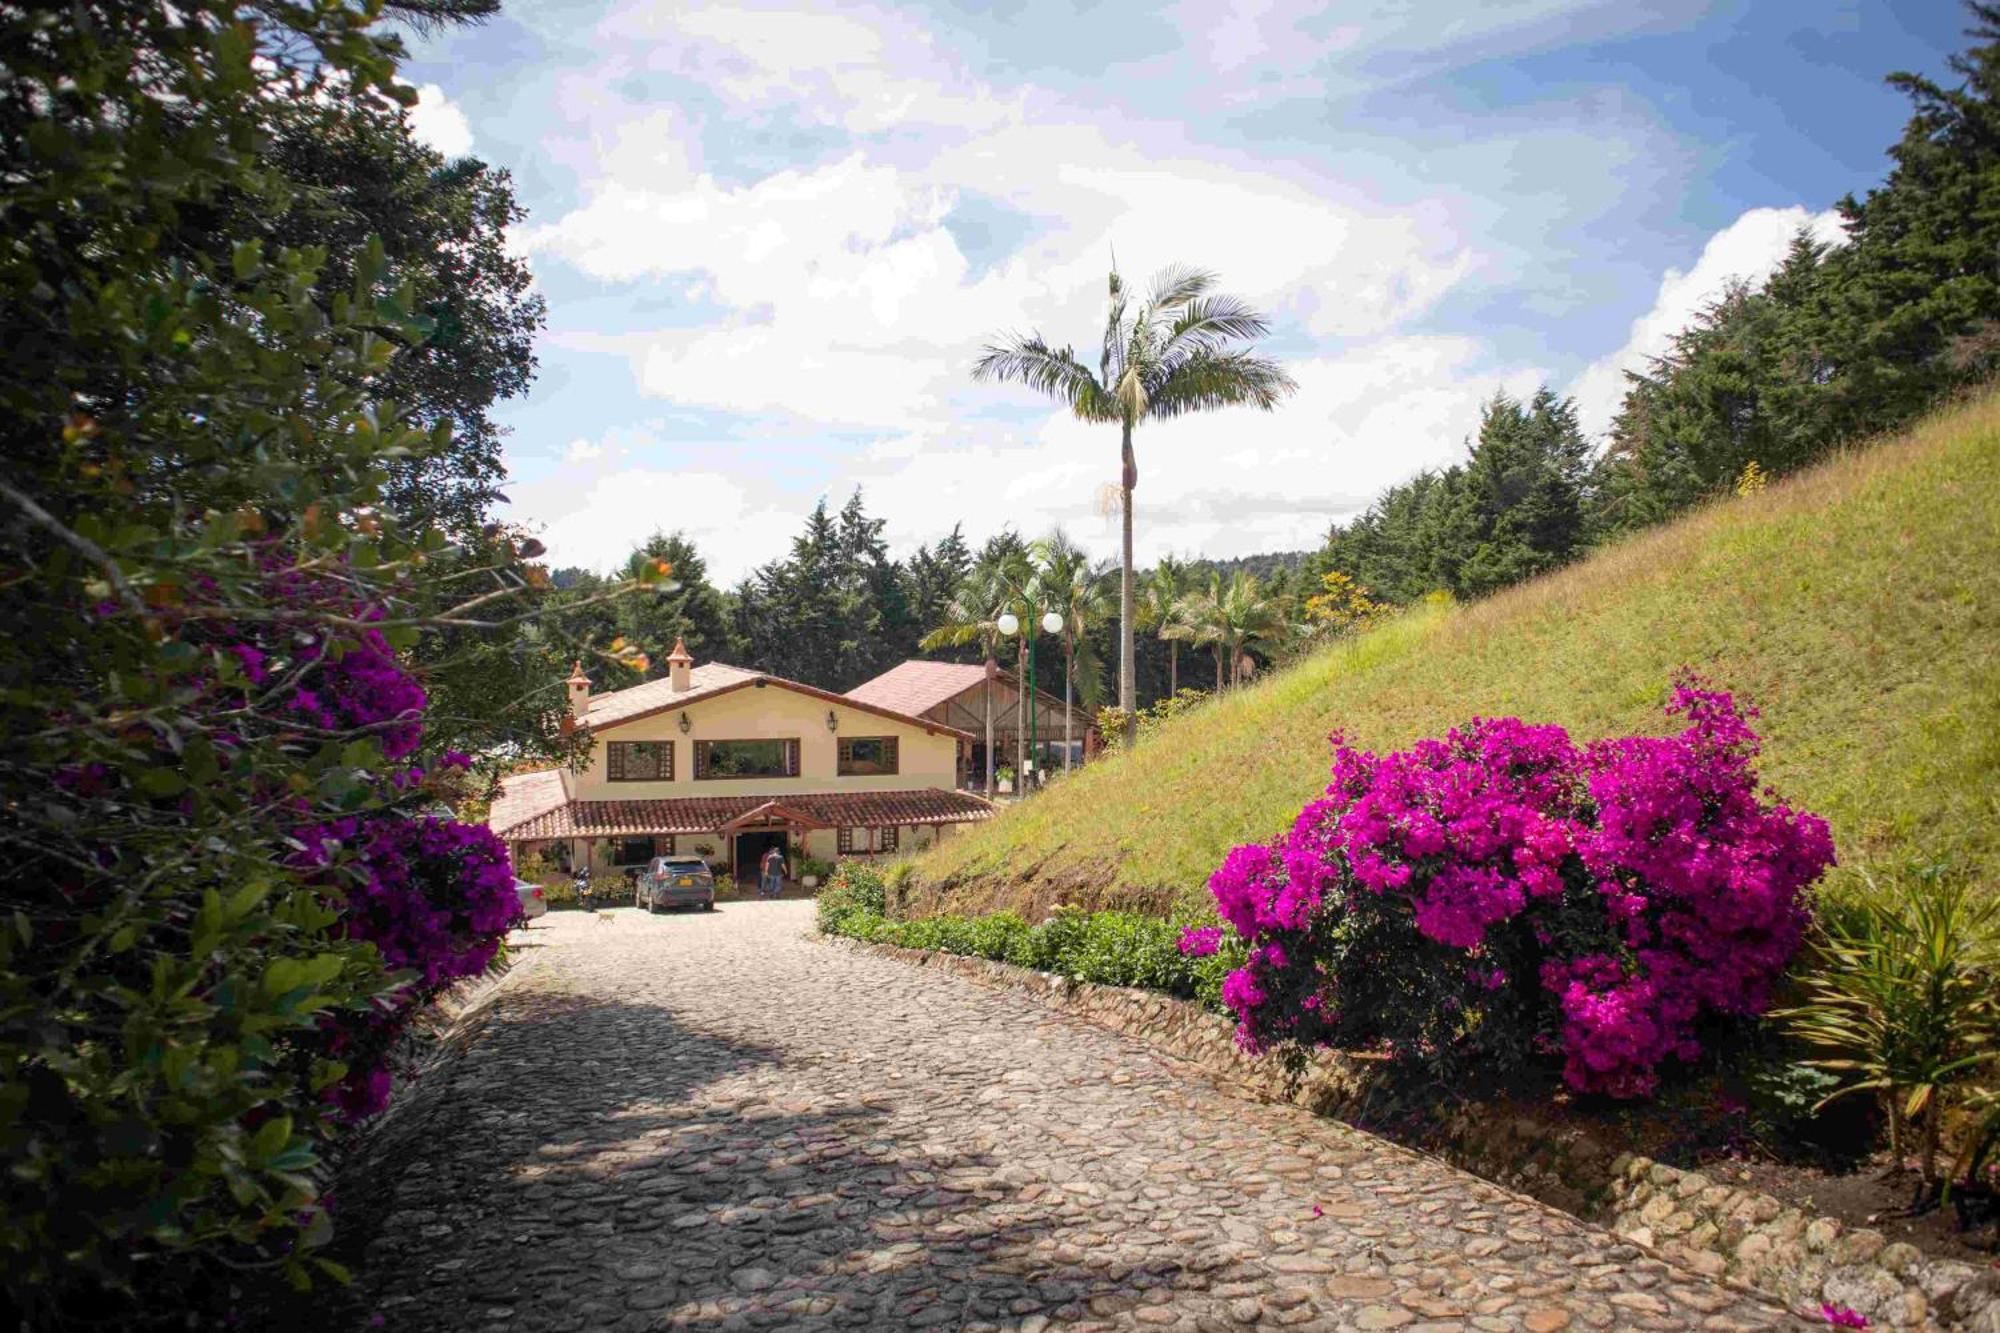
x=676 y=881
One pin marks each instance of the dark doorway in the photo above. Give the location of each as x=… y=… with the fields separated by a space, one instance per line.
x=750 y=849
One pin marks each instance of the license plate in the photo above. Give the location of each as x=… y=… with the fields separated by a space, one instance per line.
x=684 y=882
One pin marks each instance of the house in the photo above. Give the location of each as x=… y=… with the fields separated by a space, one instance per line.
x=723 y=762
x=955 y=694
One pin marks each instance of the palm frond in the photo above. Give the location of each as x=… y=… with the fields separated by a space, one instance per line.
x=1208 y=324
x=1177 y=284
x=1057 y=374
x=1220 y=379
x=1112 y=363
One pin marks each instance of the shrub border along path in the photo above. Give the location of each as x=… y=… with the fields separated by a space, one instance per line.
x=1713 y=1228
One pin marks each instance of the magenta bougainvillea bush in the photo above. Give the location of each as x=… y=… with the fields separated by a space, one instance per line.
x=1505 y=894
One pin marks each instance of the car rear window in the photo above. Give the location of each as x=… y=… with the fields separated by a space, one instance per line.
x=683 y=865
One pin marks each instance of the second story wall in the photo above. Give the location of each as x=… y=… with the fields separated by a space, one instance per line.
x=923 y=759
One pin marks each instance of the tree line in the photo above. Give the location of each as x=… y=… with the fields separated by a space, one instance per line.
x=1842 y=342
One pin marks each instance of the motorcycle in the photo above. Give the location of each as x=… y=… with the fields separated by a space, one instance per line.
x=583 y=890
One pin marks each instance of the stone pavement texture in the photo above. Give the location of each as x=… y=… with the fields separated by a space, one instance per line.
x=713 y=1121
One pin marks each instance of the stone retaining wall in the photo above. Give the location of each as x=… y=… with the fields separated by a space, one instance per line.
x=1684 y=1216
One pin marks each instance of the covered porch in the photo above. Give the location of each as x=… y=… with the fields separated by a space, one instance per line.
x=733 y=833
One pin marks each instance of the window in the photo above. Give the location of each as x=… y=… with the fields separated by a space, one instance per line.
x=631 y=851
x=745 y=759
x=639 y=761
x=863 y=756
x=865 y=841
x=663 y=844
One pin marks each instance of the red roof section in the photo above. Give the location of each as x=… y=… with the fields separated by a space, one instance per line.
x=524 y=796
x=707 y=814
x=917 y=686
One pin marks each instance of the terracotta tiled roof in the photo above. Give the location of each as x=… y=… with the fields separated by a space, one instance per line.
x=713 y=678
x=917 y=687
x=705 y=814
x=622 y=705
x=524 y=796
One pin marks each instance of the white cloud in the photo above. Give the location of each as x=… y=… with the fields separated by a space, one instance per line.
x=1230 y=483
x=854 y=304
x=1747 y=250
x=436 y=122
x=596 y=520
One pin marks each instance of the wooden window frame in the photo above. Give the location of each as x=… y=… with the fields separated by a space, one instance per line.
x=618 y=757
x=865 y=839
x=892 y=749
x=702 y=750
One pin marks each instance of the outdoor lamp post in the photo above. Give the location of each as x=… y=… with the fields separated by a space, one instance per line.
x=1009 y=624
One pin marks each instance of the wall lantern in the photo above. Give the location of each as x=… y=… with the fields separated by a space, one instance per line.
x=686 y=726
x=832 y=721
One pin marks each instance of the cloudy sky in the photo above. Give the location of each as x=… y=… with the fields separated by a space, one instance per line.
x=773 y=240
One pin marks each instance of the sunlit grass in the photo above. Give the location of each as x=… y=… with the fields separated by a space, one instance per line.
x=1858 y=605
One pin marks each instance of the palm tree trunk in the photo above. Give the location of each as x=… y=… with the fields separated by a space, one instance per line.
x=1218 y=666
x=991 y=667
x=1173 y=667
x=1127 y=692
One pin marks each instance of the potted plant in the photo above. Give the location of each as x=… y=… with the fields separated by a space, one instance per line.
x=1004 y=776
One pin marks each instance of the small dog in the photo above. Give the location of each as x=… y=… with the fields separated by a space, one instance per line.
x=605 y=918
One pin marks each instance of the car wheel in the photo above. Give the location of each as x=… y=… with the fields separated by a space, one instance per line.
x=708 y=906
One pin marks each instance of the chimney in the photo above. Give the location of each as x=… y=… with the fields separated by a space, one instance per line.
x=680 y=662
x=579 y=697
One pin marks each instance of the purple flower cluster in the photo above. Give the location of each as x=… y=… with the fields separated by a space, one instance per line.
x=1639 y=884
x=1200 y=941
x=361 y=684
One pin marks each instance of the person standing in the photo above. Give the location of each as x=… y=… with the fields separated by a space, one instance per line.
x=771 y=881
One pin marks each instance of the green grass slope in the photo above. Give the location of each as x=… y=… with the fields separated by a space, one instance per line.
x=1858 y=605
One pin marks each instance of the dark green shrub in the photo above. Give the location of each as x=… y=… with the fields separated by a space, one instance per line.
x=855 y=887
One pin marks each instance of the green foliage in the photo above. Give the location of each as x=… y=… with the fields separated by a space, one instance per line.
x=1903 y=1001
x=1108 y=948
x=253 y=332
x=1515 y=508
x=1111 y=720
x=855 y=892
x=1841 y=342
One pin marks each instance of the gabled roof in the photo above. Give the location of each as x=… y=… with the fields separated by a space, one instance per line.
x=709 y=814
x=918 y=686
x=716 y=678
x=524 y=796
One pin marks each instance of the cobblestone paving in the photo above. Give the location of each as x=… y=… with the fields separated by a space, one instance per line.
x=711 y=1121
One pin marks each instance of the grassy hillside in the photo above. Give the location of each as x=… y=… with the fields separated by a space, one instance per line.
x=1858 y=605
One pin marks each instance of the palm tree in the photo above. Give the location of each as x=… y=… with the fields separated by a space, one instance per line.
x=1164 y=590
x=1230 y=617
x=973 y=616
x=1174 y=355
x=1077 y=590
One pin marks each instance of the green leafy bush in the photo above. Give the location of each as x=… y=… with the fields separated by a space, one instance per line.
x=1901 y=1002
x=855 y=891
x=1108 y=948
x=225 y=892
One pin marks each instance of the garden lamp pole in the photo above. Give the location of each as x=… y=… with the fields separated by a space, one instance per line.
x=1052 y=623
x=1009 y=625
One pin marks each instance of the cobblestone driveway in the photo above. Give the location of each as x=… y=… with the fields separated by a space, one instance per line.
x=711 y=1121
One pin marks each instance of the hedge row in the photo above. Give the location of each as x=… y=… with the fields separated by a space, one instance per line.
x=1110 y=948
